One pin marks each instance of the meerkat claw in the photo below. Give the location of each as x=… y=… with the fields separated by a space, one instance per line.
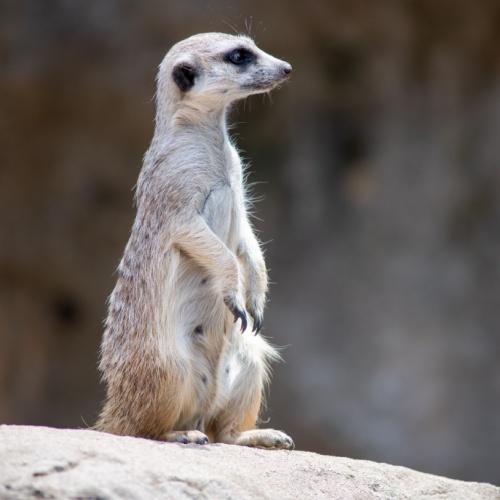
x=238 y=313
x=257 y=324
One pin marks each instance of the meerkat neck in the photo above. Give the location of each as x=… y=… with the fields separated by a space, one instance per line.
x=170 y=118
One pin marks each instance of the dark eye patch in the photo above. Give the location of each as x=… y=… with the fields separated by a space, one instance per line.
x=240 y=57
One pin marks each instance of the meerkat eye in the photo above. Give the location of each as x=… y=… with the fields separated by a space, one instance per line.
x=240 y=57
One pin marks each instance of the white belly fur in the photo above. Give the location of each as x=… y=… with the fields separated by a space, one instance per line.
x=218 y=360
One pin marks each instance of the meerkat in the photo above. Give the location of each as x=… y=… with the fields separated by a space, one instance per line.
x=180 y=355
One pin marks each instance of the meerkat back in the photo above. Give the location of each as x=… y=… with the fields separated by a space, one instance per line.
x=181 y=356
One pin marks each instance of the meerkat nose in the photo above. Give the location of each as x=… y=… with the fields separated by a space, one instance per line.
x=287 y=69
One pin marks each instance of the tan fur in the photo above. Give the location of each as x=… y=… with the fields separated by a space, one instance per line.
x=175 y=363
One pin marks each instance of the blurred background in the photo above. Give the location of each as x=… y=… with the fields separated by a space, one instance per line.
x=379 y=169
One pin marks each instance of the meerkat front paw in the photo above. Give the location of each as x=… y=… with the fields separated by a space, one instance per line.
x=257 y=313
x=265 y=438
x=237 y=310
x=256 y=295
x=186 y=437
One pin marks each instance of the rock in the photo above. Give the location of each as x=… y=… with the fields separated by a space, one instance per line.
x=41 y=462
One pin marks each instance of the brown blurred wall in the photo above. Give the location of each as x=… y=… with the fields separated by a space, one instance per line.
x=379 y=168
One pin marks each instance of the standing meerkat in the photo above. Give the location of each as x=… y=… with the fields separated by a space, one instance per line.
x=180 y=356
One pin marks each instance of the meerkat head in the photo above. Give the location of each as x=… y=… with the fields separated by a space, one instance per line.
x=210 y=70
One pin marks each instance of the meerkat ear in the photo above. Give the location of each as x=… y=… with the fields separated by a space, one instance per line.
x=184 y=75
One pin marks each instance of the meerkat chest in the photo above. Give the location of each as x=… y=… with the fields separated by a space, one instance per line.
x=222 y=205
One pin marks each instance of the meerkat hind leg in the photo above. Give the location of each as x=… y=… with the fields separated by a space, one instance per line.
x=186 y=437
x=241 y=431
x=265 y=438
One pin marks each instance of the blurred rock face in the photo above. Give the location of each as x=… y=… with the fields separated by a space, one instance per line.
x=381 y=208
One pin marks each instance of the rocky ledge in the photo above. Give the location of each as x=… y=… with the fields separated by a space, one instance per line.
x=40 y=462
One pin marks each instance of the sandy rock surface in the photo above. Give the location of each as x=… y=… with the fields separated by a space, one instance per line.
x=40 y=462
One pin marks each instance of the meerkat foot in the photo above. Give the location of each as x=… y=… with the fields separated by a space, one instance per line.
x=186 y=437
x=265 y=438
